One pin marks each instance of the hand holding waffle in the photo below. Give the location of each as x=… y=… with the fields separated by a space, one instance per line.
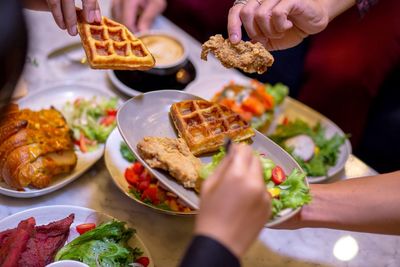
x=64 y=12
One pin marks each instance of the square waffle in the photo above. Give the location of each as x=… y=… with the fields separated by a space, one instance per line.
x=110 y=45
x=204 y=125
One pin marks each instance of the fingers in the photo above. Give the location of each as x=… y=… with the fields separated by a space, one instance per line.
x=129 y=13
x=69 y=13
x=56 y=10
x=280 y=15
x=247 y=14
x=151 y=10
x=91 y=11
x=235 y=24
x=116 y=9
x=263 y=17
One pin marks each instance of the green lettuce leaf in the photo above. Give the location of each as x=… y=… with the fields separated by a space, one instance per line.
x=106 y=245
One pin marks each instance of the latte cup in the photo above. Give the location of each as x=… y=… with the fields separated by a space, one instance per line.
x=169 y=52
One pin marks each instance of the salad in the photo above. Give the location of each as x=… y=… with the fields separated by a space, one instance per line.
x=309 y=145
x=104 y=245
x=91 y=120
x=287 y=191
x=146 y=188
x=254 y=102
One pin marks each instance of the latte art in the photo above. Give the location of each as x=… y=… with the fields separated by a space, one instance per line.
x=166 y=50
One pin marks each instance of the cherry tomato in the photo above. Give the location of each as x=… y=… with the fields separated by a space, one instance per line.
x=143 y=185
x=278 y=175
x=151 y=193
x=131 y=177
x=111 y=112
x=143 y=261
x=85 y=227
x=108 y=120
x=137 y=167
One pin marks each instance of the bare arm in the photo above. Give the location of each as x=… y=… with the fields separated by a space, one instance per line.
x=369 y=204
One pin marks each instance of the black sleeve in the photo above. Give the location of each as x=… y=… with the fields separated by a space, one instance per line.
x=207 y=252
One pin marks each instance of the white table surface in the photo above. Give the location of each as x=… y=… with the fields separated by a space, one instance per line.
x=167 y=236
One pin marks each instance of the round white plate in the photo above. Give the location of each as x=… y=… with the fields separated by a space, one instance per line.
x=57 y=96
x=47 y=214
x=148 y=115
x=116 y=165
x=290 y=108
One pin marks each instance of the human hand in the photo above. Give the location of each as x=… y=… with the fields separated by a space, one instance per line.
x=234 y=203
x=137 y=15
x=64 y=13
x=278 y=24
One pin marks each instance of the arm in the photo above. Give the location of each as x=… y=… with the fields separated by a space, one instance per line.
x=233 y=209
x=369 y=204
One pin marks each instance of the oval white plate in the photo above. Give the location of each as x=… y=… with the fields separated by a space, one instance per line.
x=47 y=214
x=57 y=96
x=116 y=165
x=290 y=108
x=148 y=115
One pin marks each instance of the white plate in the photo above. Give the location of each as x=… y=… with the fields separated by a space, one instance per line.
x=45 y=215
x=290 y=108
x=148 y=115
x=116 y=165
x=57 y=96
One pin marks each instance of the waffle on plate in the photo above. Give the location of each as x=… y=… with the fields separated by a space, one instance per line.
x=110 y=45
x=204 y=125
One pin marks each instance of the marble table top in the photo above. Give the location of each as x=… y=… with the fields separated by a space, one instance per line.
x=167 y=236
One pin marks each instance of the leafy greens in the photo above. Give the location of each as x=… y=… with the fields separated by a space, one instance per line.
x=327 y=148
x=105 y=246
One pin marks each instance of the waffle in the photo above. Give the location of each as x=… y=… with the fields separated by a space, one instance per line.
x=204 y=125
x=110 y=45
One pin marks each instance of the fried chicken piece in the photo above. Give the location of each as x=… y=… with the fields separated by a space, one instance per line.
x=172 y=155
x=245 y=55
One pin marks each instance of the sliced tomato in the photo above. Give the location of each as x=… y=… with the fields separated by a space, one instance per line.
x=151 y=194
x=111 y=112
x=131 y=177
x=143 y=261
x=285 y=121
x=107 y=121
x=278 y=175
x=137 y=167
x=145 y=176
x=143 y=185
x=82 y=143
x=266 y=99
x=85 y=227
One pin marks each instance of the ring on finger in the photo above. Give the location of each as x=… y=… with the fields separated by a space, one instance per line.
x=240 y=2
x=259 y=2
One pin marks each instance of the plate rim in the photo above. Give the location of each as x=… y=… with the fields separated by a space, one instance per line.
x=52 y=188
x=73 y=207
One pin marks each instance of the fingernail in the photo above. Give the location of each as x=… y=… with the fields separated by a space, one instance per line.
x=234 y=38
x=91 y=16
x=98 y=16
x=72 y=30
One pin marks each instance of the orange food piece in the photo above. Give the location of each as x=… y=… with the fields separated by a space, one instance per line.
x=266 y=99
x=253 y=105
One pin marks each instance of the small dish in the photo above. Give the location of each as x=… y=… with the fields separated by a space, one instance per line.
x=133 y=83
x=47 y=214
x=67 y=263
x=169 y=51
x=57 y=96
